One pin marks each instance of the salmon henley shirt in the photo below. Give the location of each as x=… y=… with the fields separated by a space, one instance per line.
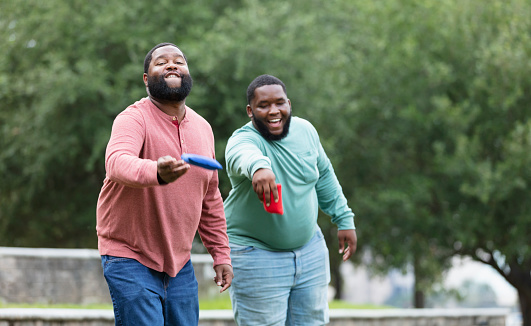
x=151 y=223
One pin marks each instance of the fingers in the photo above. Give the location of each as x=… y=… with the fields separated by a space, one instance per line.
x=264 y=185
x=344 y=249
x=219 y=277
x=341 y=244
x=275 y=193
x=165 y=162
x=223 y=276
x=170 y=169
x=347 y=254
x=268 y=192
x=347 y=243
x=225 y=284
x=267 y=195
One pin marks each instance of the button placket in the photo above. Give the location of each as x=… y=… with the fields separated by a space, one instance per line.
x=176 y=123
x=181 y=136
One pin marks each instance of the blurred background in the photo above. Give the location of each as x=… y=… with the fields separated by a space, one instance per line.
x=423 y=107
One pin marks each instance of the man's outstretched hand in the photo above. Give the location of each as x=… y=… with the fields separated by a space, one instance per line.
x=170 y=169
x=264 y=184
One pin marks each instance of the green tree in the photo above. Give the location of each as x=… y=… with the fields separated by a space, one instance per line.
x=67 y=68
x=439 y=126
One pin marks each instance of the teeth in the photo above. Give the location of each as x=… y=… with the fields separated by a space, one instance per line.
x=274 y=120
x=171 y=76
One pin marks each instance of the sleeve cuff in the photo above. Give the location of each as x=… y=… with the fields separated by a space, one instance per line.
x=159 y=179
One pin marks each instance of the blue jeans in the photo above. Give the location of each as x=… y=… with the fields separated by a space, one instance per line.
x=281 y=287
x=142 y=296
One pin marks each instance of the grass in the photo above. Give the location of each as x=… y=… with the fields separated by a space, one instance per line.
x=220 y=302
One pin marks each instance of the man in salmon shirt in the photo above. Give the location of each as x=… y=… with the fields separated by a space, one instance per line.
x=152 y=202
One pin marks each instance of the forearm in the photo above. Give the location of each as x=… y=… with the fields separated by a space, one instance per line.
x=330 y=195
x=131 y=171
x=243 y=157
x=122 y=162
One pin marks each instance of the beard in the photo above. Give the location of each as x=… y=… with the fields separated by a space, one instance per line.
x=264 y=131
x=159 y=89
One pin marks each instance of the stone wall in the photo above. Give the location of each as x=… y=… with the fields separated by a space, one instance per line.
x=390 y=317
x=39 y=275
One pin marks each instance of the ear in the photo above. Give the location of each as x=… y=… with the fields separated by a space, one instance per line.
x=249 y=111
x=145 y=79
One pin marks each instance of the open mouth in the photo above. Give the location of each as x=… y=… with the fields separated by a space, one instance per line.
x=172 y=75
x=274 y=121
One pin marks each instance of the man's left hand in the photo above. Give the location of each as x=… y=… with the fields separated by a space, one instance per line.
x=347 y=243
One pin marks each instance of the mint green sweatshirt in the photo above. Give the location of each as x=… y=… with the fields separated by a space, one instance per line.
x=308 y=183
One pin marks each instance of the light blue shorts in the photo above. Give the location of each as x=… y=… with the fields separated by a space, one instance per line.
x=281 y=287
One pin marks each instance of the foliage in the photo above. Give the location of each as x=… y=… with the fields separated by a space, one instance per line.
x=440 y=127
x=67 y=69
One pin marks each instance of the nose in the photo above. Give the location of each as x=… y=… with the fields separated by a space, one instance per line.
x=171 y=65
x=274 y=109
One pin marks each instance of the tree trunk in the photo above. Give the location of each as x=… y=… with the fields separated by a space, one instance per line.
x=418 y=300
x=525 y=308
x=338 y=284
x=519 y=276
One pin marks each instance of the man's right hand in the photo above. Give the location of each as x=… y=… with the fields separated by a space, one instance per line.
x=264 y=183
x=170 y=169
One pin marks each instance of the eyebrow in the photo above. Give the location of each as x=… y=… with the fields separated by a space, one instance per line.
x=274 y=100
x=167 y=55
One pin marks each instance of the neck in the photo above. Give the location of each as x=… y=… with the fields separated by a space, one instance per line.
x=176 y=109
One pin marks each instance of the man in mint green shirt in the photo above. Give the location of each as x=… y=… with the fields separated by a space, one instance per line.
x=280 y=262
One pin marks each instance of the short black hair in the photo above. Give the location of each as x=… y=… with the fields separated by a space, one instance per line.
x=260 y=81
x=147 y=59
